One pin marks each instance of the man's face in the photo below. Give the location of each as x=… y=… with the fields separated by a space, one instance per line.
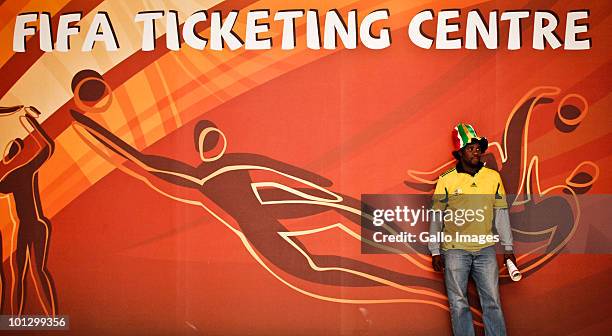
x=470 y=154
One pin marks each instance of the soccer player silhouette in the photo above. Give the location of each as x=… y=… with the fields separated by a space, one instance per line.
x=252 y=210
x=19 y=177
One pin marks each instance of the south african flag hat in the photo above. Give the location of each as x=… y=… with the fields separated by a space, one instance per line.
x=463 y=135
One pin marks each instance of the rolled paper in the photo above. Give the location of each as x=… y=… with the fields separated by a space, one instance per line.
x=515 y=275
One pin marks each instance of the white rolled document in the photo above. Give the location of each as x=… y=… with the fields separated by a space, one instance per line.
x=515 y=275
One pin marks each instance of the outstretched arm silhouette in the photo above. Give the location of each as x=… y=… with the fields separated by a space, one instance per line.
x=264 y=161
x=45 y=142
x=163 y=167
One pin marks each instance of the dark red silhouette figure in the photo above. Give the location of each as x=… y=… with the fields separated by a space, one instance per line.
x=19 y=177
x=233 y=193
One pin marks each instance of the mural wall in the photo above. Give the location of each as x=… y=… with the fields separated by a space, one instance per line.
x=153 y=187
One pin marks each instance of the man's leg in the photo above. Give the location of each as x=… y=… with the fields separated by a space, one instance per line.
x=39 y=248
x=457 y=264
x=485 y=274
x=19 y=264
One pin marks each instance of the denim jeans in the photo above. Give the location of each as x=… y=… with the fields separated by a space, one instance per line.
x=482 y=265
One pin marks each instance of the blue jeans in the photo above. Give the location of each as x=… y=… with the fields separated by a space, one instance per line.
x=458 y=264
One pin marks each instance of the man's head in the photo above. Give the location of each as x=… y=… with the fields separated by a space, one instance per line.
x=468 y=145
x=12 y=149
x=206 y=137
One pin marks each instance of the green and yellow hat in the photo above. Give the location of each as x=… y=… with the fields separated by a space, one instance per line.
x=464 y=134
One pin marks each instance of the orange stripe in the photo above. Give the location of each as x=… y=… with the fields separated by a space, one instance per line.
x=9 y=10
x=133 y=124
x=154 y=82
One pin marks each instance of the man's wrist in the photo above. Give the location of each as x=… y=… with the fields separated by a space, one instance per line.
x=508 y=249
x=435 y=252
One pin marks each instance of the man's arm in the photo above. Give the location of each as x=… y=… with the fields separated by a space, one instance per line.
x=437 y=260
x=264 y=161
x=440 y=200
x=436 y=225
x=43 y=140
x=104 y=136
x=39 y=134
x=502 y=225
x=502 y=220
x=168 y=169
x=175 y=191
x=8 y=110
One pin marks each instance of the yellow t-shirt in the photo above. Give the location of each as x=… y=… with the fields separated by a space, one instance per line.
x=467 y=204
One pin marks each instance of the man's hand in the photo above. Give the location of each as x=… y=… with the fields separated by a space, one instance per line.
x=32 y=111
x=437 y=262
x=511 y=257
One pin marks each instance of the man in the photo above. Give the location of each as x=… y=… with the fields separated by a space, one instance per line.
x=469 y=244
x=19 y=177
x=5 y=166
